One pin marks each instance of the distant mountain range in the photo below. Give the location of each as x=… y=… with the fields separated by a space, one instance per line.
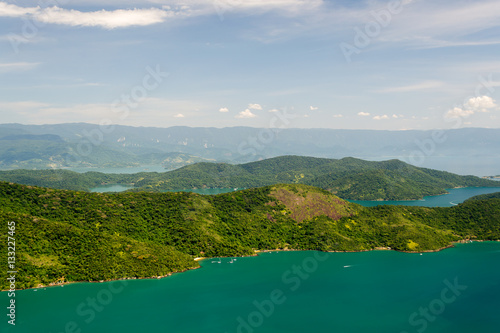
x=349 y=178
x=463 y=151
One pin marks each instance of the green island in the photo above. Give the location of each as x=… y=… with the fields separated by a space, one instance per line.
x=486 y=196
x=67 y=236
x=348 y=178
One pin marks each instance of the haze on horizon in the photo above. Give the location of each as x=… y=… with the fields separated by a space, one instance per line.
x=384 y=65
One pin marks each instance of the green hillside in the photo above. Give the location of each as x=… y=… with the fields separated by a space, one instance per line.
x=349 y=178
x=78 y=236
x=495 y=195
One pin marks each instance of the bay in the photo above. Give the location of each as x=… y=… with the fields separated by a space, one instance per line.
x=455 y=290
x=121 y=188
x=110 y=188
x=207 y=191
x=455 y=196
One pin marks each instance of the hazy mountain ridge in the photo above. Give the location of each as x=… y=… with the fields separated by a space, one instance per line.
x=145 y=145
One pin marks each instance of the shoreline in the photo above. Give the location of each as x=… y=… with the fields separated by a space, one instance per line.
x=256 y=253
x=62 y=284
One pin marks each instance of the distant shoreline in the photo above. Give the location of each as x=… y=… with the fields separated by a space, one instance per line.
x=198 y=259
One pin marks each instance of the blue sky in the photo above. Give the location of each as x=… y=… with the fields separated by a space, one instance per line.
x=392 y=65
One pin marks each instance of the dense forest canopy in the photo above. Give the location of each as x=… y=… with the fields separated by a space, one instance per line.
x=349 y=178
x=66 y=235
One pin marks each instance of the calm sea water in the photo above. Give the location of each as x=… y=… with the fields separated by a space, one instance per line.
x=456 y=196
x=455 y=290
x=111 y=188
x=208 y=191
x=121 y=188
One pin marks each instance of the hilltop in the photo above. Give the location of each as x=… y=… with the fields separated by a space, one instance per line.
x=78 y=236
x=349 y=178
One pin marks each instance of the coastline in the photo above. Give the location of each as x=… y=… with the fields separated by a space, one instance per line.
x=62 y=284
x=256 y=253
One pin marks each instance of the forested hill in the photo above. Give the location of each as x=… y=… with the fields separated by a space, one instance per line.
x=349 y=178
x=495 y=195
x=78 y=236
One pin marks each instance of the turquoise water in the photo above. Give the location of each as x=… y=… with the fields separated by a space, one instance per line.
x=121 y=188
x=456 y=196
x=208 y=191
x=455 y=290
x=111 y=188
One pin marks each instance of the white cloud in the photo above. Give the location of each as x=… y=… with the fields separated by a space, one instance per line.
x=290 y=7
x=150 y=112
x=213 y=6
x=474 y=16
x=179 y=115
x=481 y=104
x=23 y=105
x=274 y=110
x=363 y=114
x=381 y=117
x=254 y=106
x=8 y=10
x=245 y=114
x=458 y=113
x=338 y=115
x=106 y=19
x=473 y=105
x=313 y=108
x=119 y=18
x=223 y=110
x=430 y=43
x=49 y=114
x=426 y=85
x=432 y=24
x=17 y=66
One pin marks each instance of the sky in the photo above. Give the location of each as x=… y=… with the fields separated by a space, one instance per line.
x=384 y=65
